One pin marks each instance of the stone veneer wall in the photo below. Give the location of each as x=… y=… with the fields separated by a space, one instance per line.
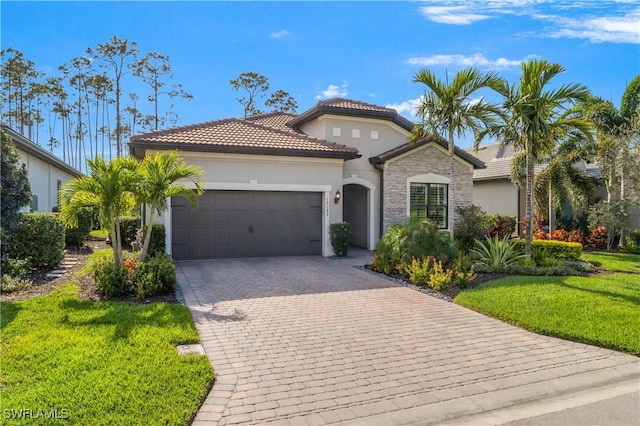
x=428 y=159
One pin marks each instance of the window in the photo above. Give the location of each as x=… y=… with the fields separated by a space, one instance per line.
x=355 y=133
x=429 y=201
x=58 y=188
x=375 y=135
x=337 y=131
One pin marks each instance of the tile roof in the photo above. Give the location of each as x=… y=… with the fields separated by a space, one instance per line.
x=354 y=105
x=392 y=153
x=241 y=136
x=276 y=120
x=348 y=107
x=498 y=160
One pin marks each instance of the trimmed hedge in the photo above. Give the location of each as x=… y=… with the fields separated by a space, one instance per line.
x=76 y=237
x=129 y=226
x=556 y=249
x=157 y=245
x=38 y=237
x=340 y=233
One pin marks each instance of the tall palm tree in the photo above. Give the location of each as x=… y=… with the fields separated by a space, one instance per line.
x=159 y=180
x=536 y=120
x=108 y=189
x=448 y=110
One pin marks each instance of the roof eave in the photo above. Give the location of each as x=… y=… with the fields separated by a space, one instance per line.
x=318 y=111
x=144 y=145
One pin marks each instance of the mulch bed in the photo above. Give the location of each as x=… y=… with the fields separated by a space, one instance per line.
x=88 y=290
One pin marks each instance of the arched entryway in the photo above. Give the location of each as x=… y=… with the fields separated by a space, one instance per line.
x=356 y=210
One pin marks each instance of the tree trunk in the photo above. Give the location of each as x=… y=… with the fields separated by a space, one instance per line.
x=117 y=243
x=529 y=199
x=451 y=203
x=552 y=213
x=147 y=237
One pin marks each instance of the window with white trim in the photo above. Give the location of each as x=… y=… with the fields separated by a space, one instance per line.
x=429 y=201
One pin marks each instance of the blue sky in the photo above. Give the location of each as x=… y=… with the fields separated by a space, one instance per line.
x=368 y=51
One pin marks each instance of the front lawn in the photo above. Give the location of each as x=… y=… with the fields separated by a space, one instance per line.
x=602 y=310
x=617 y=262
x=99 y=362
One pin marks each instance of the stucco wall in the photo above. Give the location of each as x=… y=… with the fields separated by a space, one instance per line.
x=430 y=159
x=271 y=173
x=359 y=170
x=43 y=178
x=497 y=196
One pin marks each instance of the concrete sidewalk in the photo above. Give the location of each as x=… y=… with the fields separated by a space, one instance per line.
x=310 y=340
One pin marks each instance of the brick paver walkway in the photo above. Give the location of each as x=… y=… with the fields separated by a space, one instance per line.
x=309 y=340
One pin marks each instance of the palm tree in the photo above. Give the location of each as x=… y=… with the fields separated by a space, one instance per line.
x=448 y=110
x=159 y=176
x=617 y=132
x=561 y=183
x=108 y=189
x=536 y=119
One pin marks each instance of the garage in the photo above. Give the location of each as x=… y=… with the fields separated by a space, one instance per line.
x=247 y=224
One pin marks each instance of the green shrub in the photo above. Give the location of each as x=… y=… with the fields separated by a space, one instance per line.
x=76 y=237
x=111 y=279
x=520 y=269
x=555 y=249
x=541 y=256
x=340 y=233
x=15 y=267
x=580 y=266
x=156 y=276
x=632 y=242
x=495 y=252
x=9 y=284
x=129 y=227
x=472 y=224
x=37 y=236
x=157 y=245
x=403 y=242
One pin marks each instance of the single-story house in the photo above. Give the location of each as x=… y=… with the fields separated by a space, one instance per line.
x=275 y=182
x=46 y=172
x=494 y=192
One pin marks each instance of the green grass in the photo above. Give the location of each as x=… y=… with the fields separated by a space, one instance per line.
x=617 y=262
x=601 y=310
x=100 y=363
x=99 y=234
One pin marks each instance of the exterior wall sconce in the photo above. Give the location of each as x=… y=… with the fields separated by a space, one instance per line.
x=336 y=198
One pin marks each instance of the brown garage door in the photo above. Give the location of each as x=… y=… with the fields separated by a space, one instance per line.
x=247 y=224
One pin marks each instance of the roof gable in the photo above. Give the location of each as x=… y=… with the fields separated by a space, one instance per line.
x=408 y=147
x=350 y=108
x=241 y=136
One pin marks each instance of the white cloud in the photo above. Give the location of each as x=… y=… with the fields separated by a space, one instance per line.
x=614 y=29
x=475 y=60
x=454 y=15
x=334 y=91
x=407 y=108
x=613 y=21
x=279 y=35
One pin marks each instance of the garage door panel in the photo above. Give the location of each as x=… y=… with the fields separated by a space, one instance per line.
x=247 y=224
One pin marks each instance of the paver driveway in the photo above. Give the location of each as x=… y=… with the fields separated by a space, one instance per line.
x=310 y=340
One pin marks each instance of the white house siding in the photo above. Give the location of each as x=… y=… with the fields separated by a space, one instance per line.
x=429 y=159
x=271 y=173
x=43 y=178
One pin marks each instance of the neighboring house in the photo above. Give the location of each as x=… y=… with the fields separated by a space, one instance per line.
x=275 y=182
x=46 y=172
x=494 y=192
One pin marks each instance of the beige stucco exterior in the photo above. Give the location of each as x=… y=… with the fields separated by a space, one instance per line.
x=371 y=137
x=497 y=196
x=270 y=173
